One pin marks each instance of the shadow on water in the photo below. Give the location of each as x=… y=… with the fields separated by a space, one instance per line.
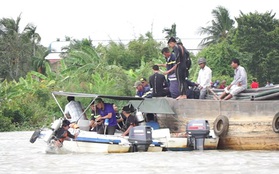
x=18 y=155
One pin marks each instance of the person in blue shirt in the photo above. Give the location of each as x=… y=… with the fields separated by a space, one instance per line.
x=145 y=84
x=106 y=111
x=151 y=121
x=170 y=62
x=141 y=91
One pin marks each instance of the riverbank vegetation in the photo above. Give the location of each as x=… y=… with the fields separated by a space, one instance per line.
x=27 y=78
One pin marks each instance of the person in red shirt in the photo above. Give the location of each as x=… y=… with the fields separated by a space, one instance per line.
x=254 y=84
x=222 y=85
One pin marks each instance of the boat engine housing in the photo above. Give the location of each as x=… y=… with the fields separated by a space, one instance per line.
x=197 y=131
x=140 y=137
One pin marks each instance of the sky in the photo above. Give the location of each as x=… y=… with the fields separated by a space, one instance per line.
x=124 y=20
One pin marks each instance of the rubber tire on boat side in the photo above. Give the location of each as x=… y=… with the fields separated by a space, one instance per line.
x=35 y=135
x=275 y=123
x=221 y=125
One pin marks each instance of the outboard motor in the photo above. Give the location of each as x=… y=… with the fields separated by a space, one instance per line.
x=197 y=131
x=141 y=138
x=54 y=126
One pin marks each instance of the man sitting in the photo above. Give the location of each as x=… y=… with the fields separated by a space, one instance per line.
x=141 y=91
x=158 y=83
x=74 y=110
x=131 y=120
x=151 y=121
x=239 y=83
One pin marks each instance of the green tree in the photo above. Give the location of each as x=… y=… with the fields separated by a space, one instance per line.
x=30 y=31
x=218 y=57
x=258 y=35
x=171 y=32
x=219 y=28
x=130 y=56
x=15 y=49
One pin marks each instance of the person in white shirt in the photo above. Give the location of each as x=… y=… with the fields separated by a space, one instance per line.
x=239 y=82
x=204 y=77
x=74 y=110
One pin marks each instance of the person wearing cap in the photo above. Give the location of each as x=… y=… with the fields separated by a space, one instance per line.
x=180 y=68
x=145 y=84
x=131 y=120
x=106 y=111
x=171 y=77
x=141 y=91
x=204 y=77
x=239 y=83
x=63 y=133
x=74 y=110
x=158 y=83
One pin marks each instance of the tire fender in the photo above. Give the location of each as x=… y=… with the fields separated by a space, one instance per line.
x=221 y=125
x=275 y=123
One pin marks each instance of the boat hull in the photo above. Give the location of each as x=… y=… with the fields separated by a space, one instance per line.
x=90 y=147
x=250 y=122
x=172 y=143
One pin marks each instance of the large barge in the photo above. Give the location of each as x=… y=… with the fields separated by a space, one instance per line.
x=241 y=124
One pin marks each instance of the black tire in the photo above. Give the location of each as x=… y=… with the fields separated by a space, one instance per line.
x=35 y=135
x=275 y=123
x=221 y=125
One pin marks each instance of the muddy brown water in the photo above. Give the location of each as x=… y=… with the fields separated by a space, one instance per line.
x=18 y=155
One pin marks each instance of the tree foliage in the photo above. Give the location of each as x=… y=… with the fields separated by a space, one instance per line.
x=219 y=28
x=25 y=91
x=16 y=48
x=257 y=34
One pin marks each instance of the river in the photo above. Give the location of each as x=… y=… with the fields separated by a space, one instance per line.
x=18 y=155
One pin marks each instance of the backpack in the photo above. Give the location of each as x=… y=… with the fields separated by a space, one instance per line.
x=188 y=59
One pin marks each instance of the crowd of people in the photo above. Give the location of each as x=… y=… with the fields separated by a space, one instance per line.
x=176 y=83
x=105 y=119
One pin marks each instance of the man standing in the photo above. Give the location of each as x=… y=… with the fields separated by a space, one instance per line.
x=204 y=77
x=74 y=110
x=172 y=80
x=106 y=112
x=180 y=68
x=158 y=83
x=239 y=83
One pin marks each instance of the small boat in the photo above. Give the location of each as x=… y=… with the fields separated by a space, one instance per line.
x=141 y=138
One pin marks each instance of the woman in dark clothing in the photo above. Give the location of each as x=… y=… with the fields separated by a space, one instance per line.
x=181 y=70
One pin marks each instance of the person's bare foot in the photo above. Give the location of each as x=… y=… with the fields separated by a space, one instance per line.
x=177 y=98
x=181 y=97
